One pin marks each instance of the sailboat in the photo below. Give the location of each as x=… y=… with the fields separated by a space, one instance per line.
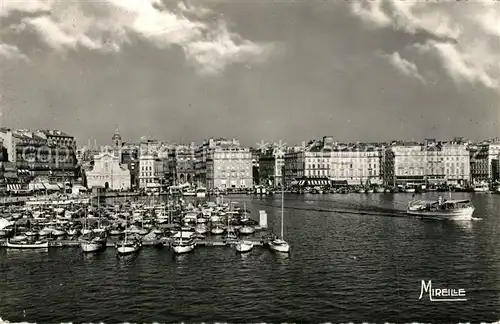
x=91 y=242
x=279 y=244
x=244 y=246
x=127 y=246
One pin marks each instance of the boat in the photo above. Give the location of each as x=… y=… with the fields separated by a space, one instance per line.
x=244 y=246
x=184 y=242
x=279 y=244
x=127 y=246
x=92 y=244
x=380 y=189
x=481 y=187
x=247 y=230
x=441 y=209
x=28 y=244
x=217 y=230
x=201 y=192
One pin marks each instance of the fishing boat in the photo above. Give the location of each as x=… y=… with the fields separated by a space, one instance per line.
x=279 y=244
x=441 y=209
x=28 y=244
x=244 y=246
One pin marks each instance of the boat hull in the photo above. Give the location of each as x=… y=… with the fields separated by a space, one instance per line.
x=179 y=249
x=244 y=247
x=283 y=248
x=458 y=214
x=124 y=250
x=89 y=247
x=44 y=245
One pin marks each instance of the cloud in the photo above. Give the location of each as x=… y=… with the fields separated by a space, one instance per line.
x=464 y=37
x=11 y=52
x=108 y=24
x=404 y=66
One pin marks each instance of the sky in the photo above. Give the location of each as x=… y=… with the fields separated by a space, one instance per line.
x=252 y=69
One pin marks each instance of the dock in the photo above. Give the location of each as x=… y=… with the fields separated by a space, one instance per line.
x=210 y=242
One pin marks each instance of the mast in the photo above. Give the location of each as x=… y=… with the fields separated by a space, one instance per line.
x=282 y=203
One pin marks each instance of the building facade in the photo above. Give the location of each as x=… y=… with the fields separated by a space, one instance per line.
x=327 y=161
x=182 y=164
x=47 y=154
x=151 y=173
x=108 y=173
x=228 y=165
x=482 y=157
x=271 y=168
x=429 y=163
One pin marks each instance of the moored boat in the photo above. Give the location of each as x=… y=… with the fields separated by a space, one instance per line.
x=243 y=246
x=28 y=244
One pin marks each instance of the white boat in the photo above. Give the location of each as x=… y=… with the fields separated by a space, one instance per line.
x=481 y=187
x=58 y=232
x=410 y=189
x=201 y=229
x=439 y=209
x=247 y=230
x=184 y=242
x=201 y=192
x=92 y=245
x=380 y=189
x=201 y=220
x=28 y=245
x=127 y=247
x=279 y=244
x=115 y=232
x=217 y=230
x=31 y=233
x=214 y=218
x=243 y=246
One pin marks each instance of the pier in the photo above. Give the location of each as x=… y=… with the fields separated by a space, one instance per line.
x=209 y=242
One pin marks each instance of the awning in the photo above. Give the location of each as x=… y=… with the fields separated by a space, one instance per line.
x=23 y=171
x=36 y=186
x=51 y=186
x=14 y=187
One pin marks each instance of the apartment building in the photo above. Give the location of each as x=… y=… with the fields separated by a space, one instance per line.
x=430 y=162
x=151 y=175
x=228 y=165
x=482 y=160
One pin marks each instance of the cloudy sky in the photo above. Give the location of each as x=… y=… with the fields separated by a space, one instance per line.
x=253 y=69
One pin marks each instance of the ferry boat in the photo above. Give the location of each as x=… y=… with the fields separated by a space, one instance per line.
x=439 y=209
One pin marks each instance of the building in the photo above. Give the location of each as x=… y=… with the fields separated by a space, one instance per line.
x=428 y=163
x=47 y=154
x=482 y=157
x=182 y=164
x=228 y=165
x=151 y=175
x=59 y=138
x=321 y=162
x=271 y=165
x=108 y=173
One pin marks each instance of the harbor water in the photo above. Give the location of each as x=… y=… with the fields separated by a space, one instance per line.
x=352 y=259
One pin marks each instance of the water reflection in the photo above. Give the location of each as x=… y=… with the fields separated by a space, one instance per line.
x=127 y=260
x=25 y=253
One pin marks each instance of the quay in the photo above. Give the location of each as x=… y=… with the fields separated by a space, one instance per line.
x=205 y=243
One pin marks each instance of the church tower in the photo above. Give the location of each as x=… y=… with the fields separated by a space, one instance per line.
x=117 y=140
